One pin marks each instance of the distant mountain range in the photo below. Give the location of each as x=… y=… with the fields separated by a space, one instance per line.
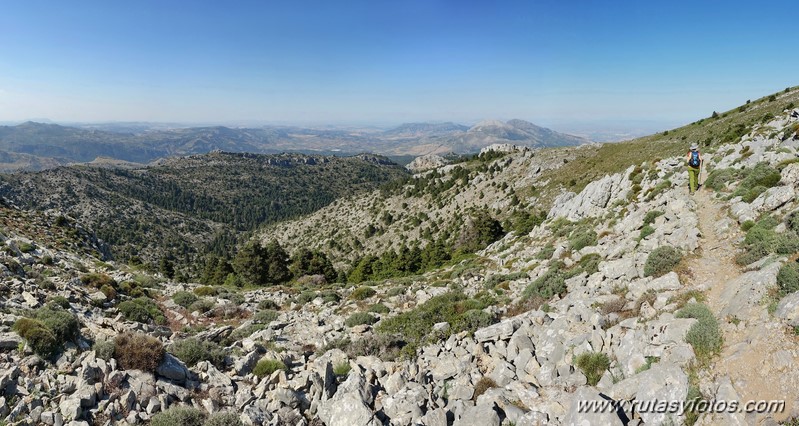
x=37 y=146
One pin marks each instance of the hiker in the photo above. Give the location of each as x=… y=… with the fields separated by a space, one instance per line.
x=694 y=165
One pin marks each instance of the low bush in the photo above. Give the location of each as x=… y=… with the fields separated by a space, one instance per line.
x=183 y=416
x=50 y=328
x=651 y=215
x=646 y=231
x=387 y=347
x=379 y=308
x=661 y=261
x=223 y=419
x=136 y=351
x=788 y=278
x=546 y=286
x=546 y=252
x=142 y=310
x=269 y=304
x=484 y=384
x=593 y=365
x=360 y=318
x=589 y=263
x=191 y=351
x=206 y=290
x=705 y=335
x=266 y=367
x=761 y=240
x=362 y=293
x=184 y=298
x=342 y=369
x=60 y=301
x=103 y=349
x=96 y=280
x=718 y=178
x=202 y=306
x=266 y=316
x=582 y=237
x=39 y=338
x=416 y=325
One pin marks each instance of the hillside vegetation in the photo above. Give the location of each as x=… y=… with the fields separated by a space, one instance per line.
x=187 y=205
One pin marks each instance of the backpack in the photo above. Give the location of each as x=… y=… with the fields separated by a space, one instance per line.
x=694 y=161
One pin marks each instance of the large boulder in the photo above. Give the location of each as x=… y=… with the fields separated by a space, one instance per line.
x=172 y=369
x=593 y=199
x=773 y=198
x=349 y=406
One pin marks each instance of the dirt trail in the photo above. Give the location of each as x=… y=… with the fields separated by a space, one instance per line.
x=755 y=350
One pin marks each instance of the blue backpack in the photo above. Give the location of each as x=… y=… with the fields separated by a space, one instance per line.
x=694 y=161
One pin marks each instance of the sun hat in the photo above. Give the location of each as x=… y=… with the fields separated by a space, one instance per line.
x=694 y=147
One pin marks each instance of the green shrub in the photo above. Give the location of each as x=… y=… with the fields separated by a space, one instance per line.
x=103 y=349
x=265 y=367
x=379 y=308
x=718 y=178
x=387 y=347
x=26 y=247
x=760 y=175
x=362 y=293
x=342 y=369
x=142 y=310
x=39 y=337
x=266 y=316
x=360 y=318
x=206 y=290
x=593 y=365
x=60 y=301
x=416 y=325
x=582 y=237
x=750 y=194
x=192 y=350
x=183 y=416
x=62 y=323
x=546 y=252
x=747 y=225
x=589 y=263
x=50 y=328
x=136 y=351
x=651 y=216
x=661 y=261
x=473 y=319
x=269 y=304
x=788 y=278
x=202 y=306
x=548 y=285
x=184 y=298
x=761 y=240
x=646 y=231
x=223 y=419
x=97 y=280
x=705 y=335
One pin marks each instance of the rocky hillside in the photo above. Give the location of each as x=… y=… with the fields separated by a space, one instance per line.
x=179 y=206
x=625 y=290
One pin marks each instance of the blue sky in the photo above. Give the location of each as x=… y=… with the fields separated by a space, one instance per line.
x=382 y=62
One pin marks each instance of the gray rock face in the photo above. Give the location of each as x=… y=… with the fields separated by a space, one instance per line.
x=747 y=290
x=502 y=330
x=773 y=198
x=579 y=416
x=173 y=369
x=790 y=175
x=9 y=341
x=348 y=406
x=426 y=162
x=478 y=415
x=593 y=199
x=788 y=309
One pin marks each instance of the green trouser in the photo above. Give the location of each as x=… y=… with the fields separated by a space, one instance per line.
x=693 y=178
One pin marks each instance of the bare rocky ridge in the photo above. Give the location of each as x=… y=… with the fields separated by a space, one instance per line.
x=524 y=369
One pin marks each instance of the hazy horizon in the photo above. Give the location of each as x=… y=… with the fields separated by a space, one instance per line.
x=562 y=66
